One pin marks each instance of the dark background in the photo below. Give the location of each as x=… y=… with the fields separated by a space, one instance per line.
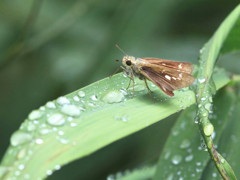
x=52 y=47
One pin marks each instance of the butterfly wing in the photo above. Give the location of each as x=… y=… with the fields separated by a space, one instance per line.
x=179 y=66
x=168 y=75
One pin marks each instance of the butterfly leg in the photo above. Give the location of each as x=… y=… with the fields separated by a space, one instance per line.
x=118 y=69
x=149 y=90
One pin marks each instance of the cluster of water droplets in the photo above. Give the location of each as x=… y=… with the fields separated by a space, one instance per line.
x=52 y=119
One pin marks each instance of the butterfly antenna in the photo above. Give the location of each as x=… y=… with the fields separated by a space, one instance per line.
x=117 y=46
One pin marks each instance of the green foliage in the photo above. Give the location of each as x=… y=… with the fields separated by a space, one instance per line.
x=51 y=48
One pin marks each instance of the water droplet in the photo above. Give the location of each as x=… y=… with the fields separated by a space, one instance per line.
x=94 y=98
x=49 y=172
x=167 y=154
x=51 y=105
x=214 y=174
x=21 y=154
x=208 y=129
x=26 y=176
x=63 y=100
x=31 y=126
x=189 y=158
x=73 y=124
x=57 y=167
x=61 y=133
x=76 y=98
x=63 y=141
x=44 y=131
x=122 y=118
x=222 y=160
x=213 y=134
x=198 y=170
x=20 y=137
x=208 y=106
x=39 y=141
x=35 y=115
x=170 y=177
x=198 y=163
x=185 y=144
x=113 y=97
x=17 y=173
x=201 y=80
x=71 y=110
x=42 y=108
x=81 y=94
x=176 y=159
x=21 y=166
x=56 y=119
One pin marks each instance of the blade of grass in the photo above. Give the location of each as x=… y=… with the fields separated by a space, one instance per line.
x=182 y=155
x=205 y=87
x=84 y=121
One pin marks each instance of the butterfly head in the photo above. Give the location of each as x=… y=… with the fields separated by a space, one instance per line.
x=128 y=61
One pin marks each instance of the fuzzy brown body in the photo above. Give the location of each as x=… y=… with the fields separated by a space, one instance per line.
x=166 y=74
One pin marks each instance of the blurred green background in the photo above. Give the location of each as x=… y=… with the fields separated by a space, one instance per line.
x=51 y=48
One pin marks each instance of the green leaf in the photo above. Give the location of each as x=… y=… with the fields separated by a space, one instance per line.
x=138 y=174
x=205 y=87
x=84 y=121
x=183 y=155
x=229 y=142
x=232 y=43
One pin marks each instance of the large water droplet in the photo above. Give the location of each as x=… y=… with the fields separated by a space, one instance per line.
x=31 y=126
x=49 y=172
x=201 y=80
x=81 y=94
x=185 y=144
x=113 y=97
x=63 y=100
x=94 y=98
x=176 y=159
x=189 y=158
x=56 y=119
x=39 y=141
x=35 y=115
x=71 y=110
x=20 y=137
x=208 y=129
x=51 y=105
x=76 y=98
x=21 y=166
x=57 y=167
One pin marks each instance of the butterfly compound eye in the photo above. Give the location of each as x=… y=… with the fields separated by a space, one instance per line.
x=129 y=63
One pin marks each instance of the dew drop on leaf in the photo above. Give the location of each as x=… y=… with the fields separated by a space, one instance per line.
x=20 y=137
x=176 y=159
x=39 y=141
x=35 y=115
x=56 y=119
x=81 y=94
x=50 y=105
x=63 y=100
x=189 y=158
x=185 y=144
x=76 y=98
x=201 y=80
x=208 y=129
x=71 y=110
x=113 y=97
x=94 y=98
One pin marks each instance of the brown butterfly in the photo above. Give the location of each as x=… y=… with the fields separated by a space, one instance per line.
x=166 y=74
